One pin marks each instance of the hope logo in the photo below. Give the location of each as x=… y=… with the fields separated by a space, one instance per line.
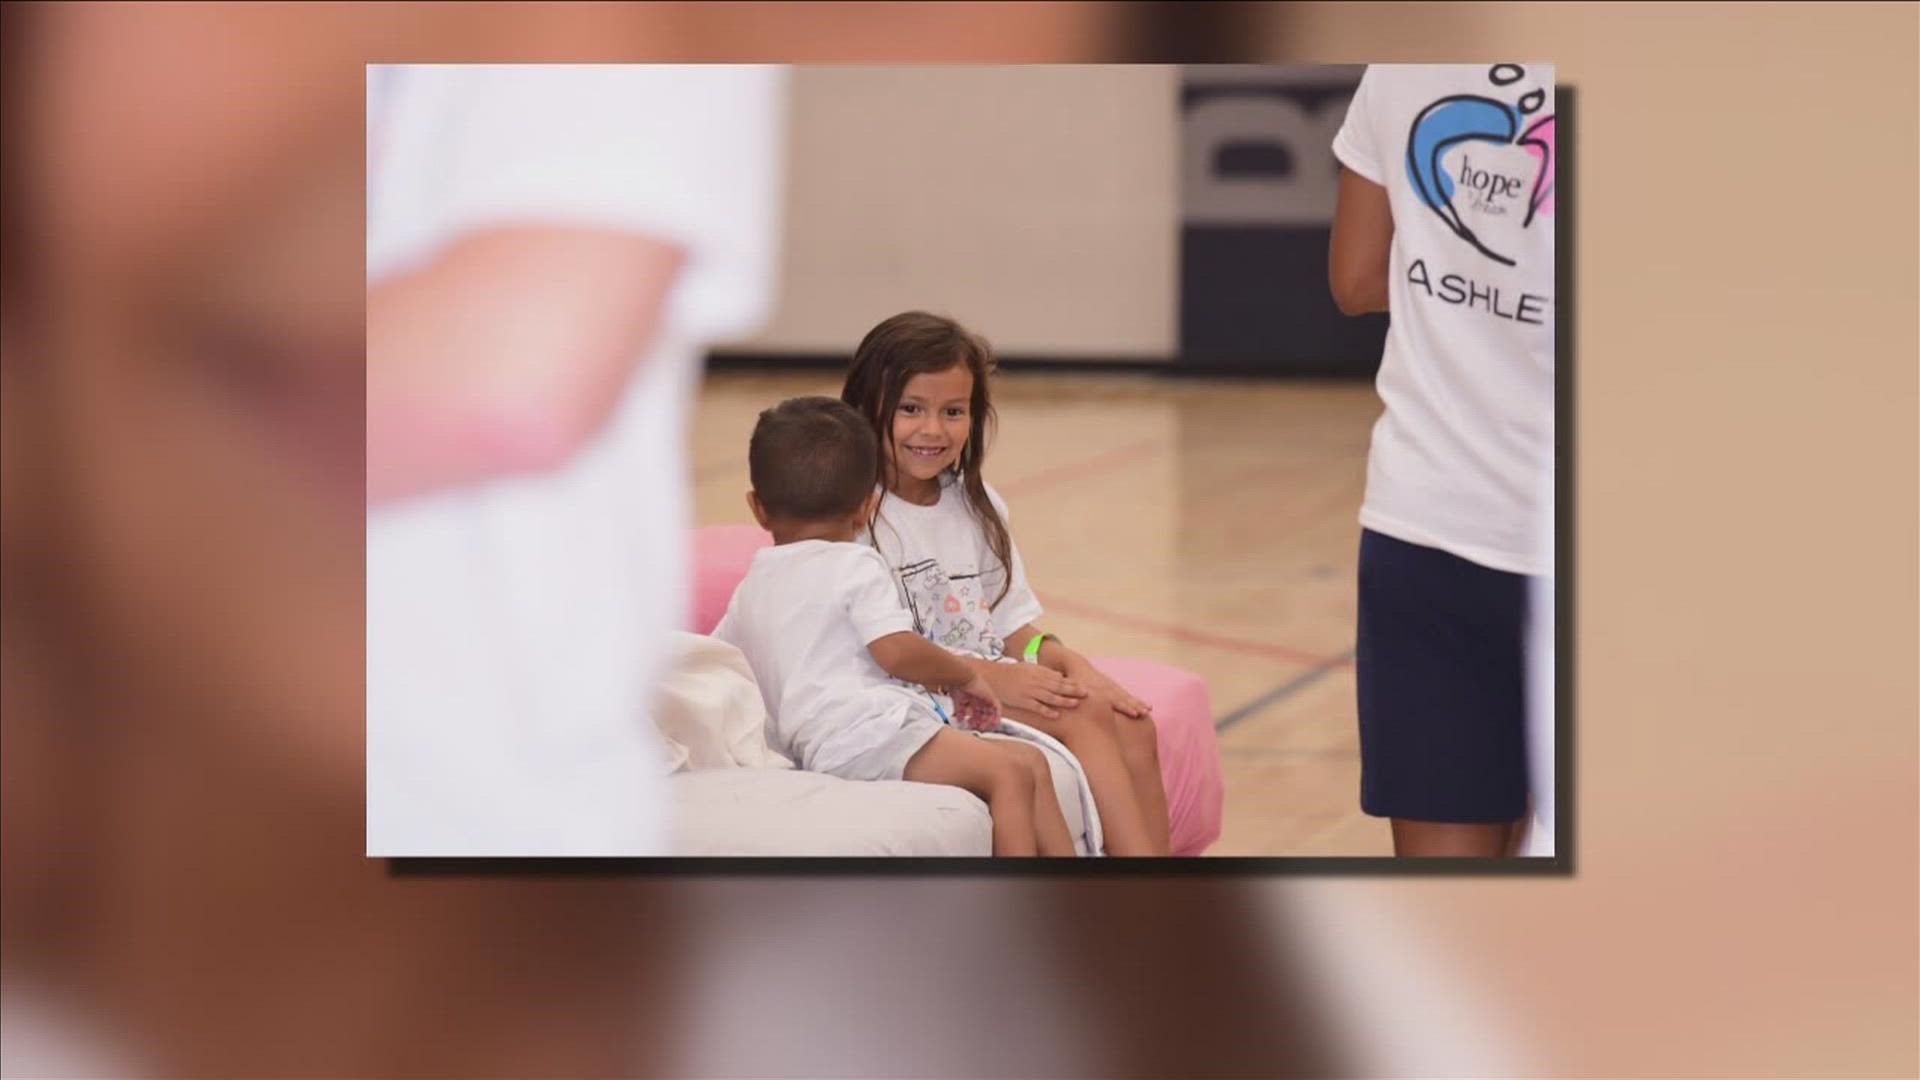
x=1490 y=187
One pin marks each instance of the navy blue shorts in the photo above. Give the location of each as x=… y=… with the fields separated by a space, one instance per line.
x=1441 y=667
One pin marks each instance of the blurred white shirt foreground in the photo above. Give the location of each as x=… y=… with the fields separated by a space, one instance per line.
x=515 y=627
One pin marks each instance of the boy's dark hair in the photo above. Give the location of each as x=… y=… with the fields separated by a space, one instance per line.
x=813 y=458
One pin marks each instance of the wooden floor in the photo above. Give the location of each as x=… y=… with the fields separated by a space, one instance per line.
x=1209 y=525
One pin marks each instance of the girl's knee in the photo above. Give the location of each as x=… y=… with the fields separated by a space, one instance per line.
x=1095 y=716
x=1139 y=738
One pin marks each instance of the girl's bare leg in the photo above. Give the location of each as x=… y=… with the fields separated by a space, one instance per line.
x=1089 y=731
x=1049 y=822
x=1140 y=749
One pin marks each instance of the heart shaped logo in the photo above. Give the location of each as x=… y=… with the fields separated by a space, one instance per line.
x=1467 y=118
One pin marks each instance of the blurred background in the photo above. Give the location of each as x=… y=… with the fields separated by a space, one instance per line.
x=1114 y=215
x=183 y=887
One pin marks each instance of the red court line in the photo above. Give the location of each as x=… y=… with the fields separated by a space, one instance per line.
x=1196 y=637
x=1074 y=470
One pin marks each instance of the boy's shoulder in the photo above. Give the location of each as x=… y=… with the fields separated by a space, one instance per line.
x=852 y=559
x=826 y=562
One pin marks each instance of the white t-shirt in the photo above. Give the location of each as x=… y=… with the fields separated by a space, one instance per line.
x=947 y=573
x=515 y=627
x=804 y=616
x=1466 y=154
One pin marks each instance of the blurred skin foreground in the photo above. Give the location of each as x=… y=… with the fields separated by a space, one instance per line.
x=184 y=617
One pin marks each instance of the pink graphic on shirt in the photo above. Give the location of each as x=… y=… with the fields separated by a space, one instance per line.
x=1538 y=141
x=1461 y=119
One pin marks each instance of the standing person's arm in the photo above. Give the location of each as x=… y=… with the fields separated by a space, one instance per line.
x=1360 y=252
x=506 y=352
x=1362 y=245
x=586 y=215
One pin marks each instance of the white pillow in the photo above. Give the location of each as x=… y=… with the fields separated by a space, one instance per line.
x=709 y=711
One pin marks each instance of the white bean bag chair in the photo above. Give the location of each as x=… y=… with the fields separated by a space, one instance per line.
x=733 y=795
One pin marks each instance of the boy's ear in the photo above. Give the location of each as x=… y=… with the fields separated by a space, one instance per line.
x=759 y=512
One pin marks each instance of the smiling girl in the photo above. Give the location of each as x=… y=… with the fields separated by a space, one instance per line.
x=922 y=381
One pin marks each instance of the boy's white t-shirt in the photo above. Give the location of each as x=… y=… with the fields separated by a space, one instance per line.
x=515 y=627
x=1467 y=155
x=804 y=616
x=947 y=573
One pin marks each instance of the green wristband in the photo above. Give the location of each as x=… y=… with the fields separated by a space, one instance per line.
x=1032 y=654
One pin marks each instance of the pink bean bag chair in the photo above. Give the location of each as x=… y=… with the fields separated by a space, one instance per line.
x=1182 y=712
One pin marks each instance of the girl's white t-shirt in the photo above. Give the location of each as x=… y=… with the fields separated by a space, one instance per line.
x=1467 y=155
x=947 y=573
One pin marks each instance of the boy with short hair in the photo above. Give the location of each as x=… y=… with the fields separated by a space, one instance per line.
x=821 y=622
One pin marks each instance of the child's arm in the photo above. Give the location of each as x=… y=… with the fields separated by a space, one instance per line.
x=911 y=658
x=1034 y=688
x=1053 y=653
x=1075 y=667
x=1359 y=261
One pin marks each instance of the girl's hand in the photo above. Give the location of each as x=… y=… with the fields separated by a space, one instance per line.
x=975 y=706
x=1125 y=703
x=1034 y=688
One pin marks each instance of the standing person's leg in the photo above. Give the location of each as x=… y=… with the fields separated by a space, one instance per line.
x=1088 y=730
x=1432 y=838
x=972 y=763
x=1440 y=679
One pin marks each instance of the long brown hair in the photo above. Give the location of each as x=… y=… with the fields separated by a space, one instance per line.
x=918 y=343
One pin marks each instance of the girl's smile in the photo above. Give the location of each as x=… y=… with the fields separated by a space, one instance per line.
x=930 y=429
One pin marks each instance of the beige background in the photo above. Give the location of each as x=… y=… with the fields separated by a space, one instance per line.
x=1041 y=201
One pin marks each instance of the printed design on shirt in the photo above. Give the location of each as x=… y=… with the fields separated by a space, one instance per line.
x=948 y=609
x=1467 y=192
